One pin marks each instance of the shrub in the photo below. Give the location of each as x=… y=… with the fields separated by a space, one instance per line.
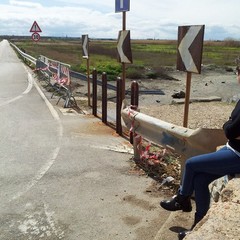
x=152 y=75
x=79 y=68
x=133 y=73
x=109 y=68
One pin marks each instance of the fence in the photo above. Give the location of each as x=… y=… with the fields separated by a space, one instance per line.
x=57 y=76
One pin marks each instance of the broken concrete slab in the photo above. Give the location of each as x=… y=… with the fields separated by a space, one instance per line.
x=198 y=99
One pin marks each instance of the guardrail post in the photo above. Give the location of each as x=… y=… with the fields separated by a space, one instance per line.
x=134 y=95
x=137 y=147
x=134 y=103
x=94 y=92
x=119 y=106
x=104 y=98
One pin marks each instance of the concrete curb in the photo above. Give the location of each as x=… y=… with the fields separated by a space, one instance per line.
x=222 y=219
x=177 y=221
x=197 y=99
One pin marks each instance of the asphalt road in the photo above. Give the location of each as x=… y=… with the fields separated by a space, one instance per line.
x=60 y=176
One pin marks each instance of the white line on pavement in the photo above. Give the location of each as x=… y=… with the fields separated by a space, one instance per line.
x=53 y=156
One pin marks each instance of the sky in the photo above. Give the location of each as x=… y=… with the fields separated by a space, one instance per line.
x=157 y=19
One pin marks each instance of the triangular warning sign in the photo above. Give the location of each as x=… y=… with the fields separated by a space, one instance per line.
x=35 y=27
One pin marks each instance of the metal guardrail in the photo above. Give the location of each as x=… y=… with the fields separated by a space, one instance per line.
x=187 y=142
x=72 y=73
x=24 y=55
x=84 y=77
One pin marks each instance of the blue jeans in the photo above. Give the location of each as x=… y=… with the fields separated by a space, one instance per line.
x=201 y=170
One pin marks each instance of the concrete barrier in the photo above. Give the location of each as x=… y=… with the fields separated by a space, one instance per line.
x=222 y=219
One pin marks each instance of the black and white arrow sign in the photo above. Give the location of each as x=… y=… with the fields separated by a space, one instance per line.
x=85 y=43
x=124 y=47
x=190 y=46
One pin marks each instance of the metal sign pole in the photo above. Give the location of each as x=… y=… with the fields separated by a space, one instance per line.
x=187 y=99
x=123 y=64
x=123 y=6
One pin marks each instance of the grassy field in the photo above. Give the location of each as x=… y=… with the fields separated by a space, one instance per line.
x=151 y=58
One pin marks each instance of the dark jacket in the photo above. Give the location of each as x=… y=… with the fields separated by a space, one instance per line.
x=232 y=128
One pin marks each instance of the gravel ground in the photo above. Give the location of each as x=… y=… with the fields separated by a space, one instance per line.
x=201 y=114
x=205 y=115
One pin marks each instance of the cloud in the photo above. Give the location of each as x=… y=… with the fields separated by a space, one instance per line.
x=160 y=19
x=25 y=4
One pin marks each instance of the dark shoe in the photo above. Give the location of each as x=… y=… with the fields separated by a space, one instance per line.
x=183 y=234
x=178 y=202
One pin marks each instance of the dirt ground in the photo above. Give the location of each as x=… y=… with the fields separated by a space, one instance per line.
x=205 y=114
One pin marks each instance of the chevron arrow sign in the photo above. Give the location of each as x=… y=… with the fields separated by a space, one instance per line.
x=124 y=47
x=190 y=48
x=85 y=43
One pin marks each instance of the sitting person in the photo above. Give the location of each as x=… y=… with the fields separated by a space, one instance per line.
x=201 y=170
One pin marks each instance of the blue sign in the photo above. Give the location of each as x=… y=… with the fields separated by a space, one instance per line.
x=122 y=5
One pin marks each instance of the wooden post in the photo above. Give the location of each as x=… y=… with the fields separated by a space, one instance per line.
x=187 y=99
x=134 y=103
x=88 y=80
x=119 y=107
x=124 y=21
x=94 y=92
x=104 y=98
x=123 y=64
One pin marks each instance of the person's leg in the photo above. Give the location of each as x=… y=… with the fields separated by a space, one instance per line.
x=215 y=164
x=202 y=194
x=202 y=198
x=218 y=164
x=199 y=172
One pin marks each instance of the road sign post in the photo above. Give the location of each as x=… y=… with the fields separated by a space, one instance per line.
x=123 y=6
x=189 y=59
x=35 y=37
x=85 y=48
x=123 y=64
x=35 y=29
x=187 y=99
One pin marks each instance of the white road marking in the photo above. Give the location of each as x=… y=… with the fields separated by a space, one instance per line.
x=39 y=174
x=53 y=156
x=30 y=84
x=56 y=230
x=169 y=219
x=28 y=89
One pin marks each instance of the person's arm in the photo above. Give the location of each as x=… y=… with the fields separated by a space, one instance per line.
x=232 y=126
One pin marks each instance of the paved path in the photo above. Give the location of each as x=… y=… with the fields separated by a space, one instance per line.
x=61 y=176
